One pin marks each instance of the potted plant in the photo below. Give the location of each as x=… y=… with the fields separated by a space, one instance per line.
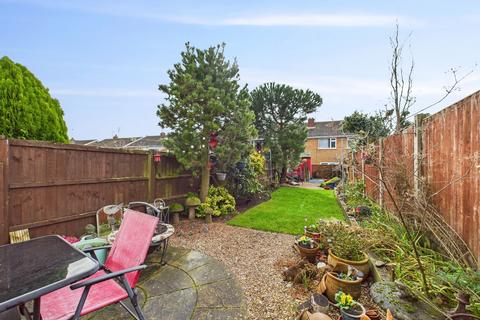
x=175 y=209
x=343 y=278
x=307 y=247
x=191 y=203
x=312 y=231
x=349 y=308
x=345 y=246
x=221 y=176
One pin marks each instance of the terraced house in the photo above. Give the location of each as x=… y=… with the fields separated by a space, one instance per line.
x=326 y=146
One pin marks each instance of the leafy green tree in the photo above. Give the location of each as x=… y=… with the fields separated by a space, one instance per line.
x=280 y=115
x=368 y=127
x=27 y=111
x=204 y=97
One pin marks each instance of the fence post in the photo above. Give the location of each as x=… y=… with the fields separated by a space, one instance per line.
x=151 y=172
x=4 y=219
x=417 y=153
x=380 y=176
x=363 y=165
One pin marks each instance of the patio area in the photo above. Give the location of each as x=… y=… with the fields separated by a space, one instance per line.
x=191 y=285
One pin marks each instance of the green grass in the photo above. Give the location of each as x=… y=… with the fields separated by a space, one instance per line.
x=289 y=210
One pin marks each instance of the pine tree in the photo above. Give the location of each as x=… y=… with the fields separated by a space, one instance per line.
x=203 y=98
x=280 y=115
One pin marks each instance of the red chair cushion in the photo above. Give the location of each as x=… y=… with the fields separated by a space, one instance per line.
x=61 y=304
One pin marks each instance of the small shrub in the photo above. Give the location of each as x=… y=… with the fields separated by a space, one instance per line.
x=219 y=200
x=257 y=162
x=246 y=183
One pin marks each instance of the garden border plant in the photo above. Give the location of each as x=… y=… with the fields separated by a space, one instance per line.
x=386 y=238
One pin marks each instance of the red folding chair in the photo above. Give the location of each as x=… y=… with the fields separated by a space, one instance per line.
x=114 y=282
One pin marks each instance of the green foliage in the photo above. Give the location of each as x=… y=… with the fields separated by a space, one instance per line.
x=355 y=194
x=344 y=241
x=280 y=115
x=219 y=200
x=257 y=162
x=27 y=111
x=246 y=183
x=368 y=128
x=176 y=207
x=289 y=210
x=204 y=97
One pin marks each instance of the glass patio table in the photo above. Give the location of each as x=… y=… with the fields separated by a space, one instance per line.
x=36 y=267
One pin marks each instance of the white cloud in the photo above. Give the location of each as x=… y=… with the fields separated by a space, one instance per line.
x=316 y=20
x=109 y=93
x=290 y=19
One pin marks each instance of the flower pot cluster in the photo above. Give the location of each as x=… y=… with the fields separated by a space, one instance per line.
x=336 y=251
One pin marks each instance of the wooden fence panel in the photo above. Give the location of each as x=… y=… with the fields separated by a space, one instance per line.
x=57 y=188
x=451 y=142
x=449 y=154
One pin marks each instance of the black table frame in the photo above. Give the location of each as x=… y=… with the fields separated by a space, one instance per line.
x=36 y=294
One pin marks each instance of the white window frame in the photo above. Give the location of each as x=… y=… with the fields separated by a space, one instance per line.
x=350 y=140
x=331 y=141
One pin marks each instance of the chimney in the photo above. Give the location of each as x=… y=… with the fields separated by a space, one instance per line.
x=311 y=122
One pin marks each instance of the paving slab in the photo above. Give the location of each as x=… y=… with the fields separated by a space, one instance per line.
x=191 y=285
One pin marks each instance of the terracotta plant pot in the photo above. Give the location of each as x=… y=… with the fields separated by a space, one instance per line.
x=355 y=313
x=334 y=284
x=313 y=235
x=308 y=253
x=361 y=265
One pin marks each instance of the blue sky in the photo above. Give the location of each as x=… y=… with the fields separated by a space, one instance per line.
x=104 y=60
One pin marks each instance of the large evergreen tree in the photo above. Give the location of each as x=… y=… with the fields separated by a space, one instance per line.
x=368 y=128
x=27 y=111
x=204 y=98
x=280 y=115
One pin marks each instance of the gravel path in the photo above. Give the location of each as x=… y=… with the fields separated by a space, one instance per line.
x=253 y=256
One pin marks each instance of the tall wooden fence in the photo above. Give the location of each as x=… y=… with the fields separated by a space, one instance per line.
x=441 y=152
x=57 y=188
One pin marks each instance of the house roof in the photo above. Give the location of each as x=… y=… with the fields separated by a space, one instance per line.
x=114 y=142
x=82 y=142
x=327 y=129
x=139 y=143
x=148 y=142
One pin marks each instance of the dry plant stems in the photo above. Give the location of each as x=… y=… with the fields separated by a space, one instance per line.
x=412 y=239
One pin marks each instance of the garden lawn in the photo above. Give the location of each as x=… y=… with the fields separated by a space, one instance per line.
x=289 y=210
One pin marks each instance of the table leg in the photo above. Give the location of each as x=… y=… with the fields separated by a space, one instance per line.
x=164 y=251
x=36 y=309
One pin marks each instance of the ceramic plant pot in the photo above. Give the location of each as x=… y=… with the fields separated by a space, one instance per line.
x=221 y=176
x=356 y=312
x=362 y=265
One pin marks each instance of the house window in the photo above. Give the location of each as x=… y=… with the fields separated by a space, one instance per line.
x=350 y=143
x=327 y=143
